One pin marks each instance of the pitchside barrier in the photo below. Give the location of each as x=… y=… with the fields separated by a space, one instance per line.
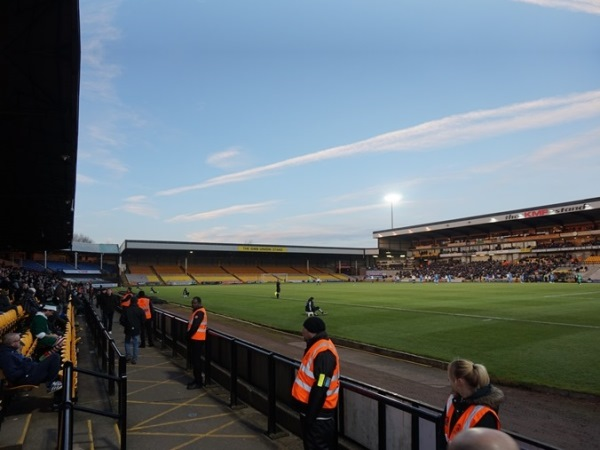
x=368 y=416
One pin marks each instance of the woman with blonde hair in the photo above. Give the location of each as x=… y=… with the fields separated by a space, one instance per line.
x=474 y=401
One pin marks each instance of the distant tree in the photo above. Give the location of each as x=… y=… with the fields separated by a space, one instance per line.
x=78 y=237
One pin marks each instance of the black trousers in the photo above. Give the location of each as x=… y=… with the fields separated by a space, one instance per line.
x=45 y=371
x=196 y=352
x=146 y=333
x=320 y=434
x=107 y=319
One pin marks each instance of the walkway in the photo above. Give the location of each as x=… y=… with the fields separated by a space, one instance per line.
x=161 y=412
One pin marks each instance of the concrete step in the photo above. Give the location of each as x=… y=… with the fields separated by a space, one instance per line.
x=13 y=431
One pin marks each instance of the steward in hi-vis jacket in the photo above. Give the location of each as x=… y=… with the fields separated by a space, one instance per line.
x=316 y=387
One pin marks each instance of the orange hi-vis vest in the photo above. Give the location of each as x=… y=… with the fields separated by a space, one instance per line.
x=468 y=419
x=144 y=303
x=305 y=378
x=200 y=334
x=126 y=300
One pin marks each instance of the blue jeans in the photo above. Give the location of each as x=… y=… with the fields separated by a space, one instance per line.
x=132 y=343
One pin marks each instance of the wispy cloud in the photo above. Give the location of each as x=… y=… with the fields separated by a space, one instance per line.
x=568 y=148
x=226 y=159
x=452 y=130
x=339 y=211
x=97 y=31
x=586 y=6
x=84 y=179
x=299 y=234
x=140 y=206
x=217 y=213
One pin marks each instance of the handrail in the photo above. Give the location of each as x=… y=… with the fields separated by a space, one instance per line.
x=425 y=430
x=65 y=421
x=109 y=352
x=422 y=427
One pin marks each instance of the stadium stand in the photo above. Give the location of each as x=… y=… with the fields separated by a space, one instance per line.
x=59 y=266
x=33 y=266
x=327 y=275
x=246 y=274
x=594 y=259
x=209 y=274
x=9 y=319
x=140 y=274
x=172 y=275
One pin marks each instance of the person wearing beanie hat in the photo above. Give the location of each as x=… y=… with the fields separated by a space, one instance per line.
x=314 y=325
x=316 y=388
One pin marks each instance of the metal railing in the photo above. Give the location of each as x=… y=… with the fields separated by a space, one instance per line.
x=368 y=416
x=113 y=366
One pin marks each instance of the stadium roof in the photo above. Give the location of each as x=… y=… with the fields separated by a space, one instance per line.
x=132 y=245
x=88 y=247
x=512 y=222
x=40 y=54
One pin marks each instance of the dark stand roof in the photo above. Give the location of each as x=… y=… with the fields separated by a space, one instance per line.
x=40 y=56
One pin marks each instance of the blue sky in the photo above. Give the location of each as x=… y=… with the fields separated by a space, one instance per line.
x=288 y=122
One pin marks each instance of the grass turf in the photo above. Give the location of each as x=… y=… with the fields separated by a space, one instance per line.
x=535 y=334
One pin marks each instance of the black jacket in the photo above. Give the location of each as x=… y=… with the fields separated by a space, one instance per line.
x=133 y=320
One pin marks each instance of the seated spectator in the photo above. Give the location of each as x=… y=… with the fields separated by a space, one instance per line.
x=310 y=307
x=20 y=370
x=46 y=340
x=5 y=303
x=483 y=439
x=29 y=302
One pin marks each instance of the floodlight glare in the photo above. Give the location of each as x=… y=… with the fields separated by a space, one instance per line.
x=391 y=199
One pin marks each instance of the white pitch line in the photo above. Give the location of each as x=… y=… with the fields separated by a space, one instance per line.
x=571 y=295
x=474 y=316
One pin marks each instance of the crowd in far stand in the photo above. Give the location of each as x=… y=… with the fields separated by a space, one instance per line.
x=525 y=270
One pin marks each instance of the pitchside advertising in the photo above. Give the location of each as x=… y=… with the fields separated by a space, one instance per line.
x=549 y=211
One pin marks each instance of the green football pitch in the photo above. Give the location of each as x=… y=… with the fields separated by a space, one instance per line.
x=535 y=334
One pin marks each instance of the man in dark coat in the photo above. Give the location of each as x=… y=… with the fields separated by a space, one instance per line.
x=132 y=319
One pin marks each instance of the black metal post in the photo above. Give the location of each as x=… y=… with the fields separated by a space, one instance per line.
x=233 y=375
x=272 y=397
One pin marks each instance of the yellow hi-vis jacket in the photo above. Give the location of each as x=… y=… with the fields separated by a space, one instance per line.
x=305 y=378
x=468 y=419
x=200 y=334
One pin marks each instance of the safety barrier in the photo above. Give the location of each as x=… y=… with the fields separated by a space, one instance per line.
x=371 y=417
x=114 y=370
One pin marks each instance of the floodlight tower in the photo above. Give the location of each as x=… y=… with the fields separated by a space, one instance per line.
x=391 y=199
